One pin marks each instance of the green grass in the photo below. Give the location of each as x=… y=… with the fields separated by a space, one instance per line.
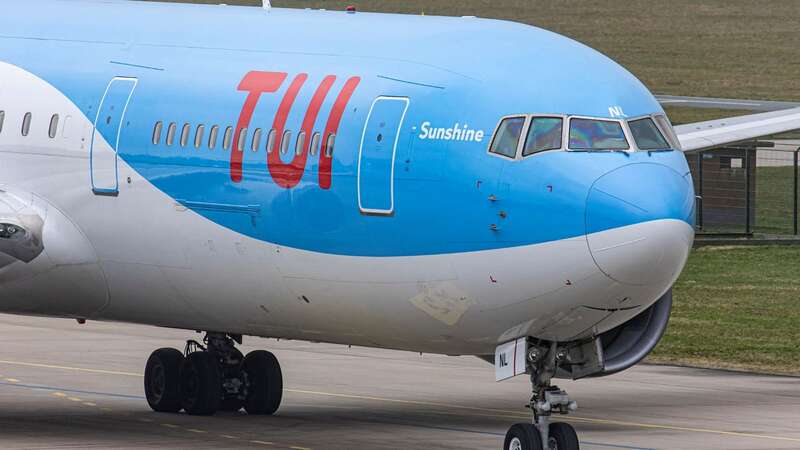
x=739 y=308
x=774 y=199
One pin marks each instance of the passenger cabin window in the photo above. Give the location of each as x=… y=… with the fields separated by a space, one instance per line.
x=226 y=139
x=26 y=124
x=2 y=119
x=301 y=143
x=314 y=144
x=286 y=142
x=242 y=138
x=646 y=134
x=198 y=136
x=171 y=133
x=271 y=141
x=53 y=130
x=592 y=134
x=545 y=133
x=187 y=129
x=329 y=145
x=212 y=137
x=256 y=140
x=157 y=132
x=506 y=139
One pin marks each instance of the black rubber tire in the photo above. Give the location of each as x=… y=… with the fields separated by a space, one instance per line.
x=564 y=437
x=162 y=379
x=527 y=436
x=264 y=383
x=201 y=384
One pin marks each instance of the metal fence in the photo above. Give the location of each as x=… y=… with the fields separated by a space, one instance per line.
x=748 y=189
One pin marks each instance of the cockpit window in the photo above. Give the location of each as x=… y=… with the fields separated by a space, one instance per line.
x=647 y=136
x=666 y=128
x=544 y=134
x=591 y=134
x=506 y=139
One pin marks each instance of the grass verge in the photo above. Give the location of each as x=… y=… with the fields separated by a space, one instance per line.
x=737 y=308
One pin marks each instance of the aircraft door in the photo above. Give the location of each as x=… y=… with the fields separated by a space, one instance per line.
x=377 y=154
x=106 y=135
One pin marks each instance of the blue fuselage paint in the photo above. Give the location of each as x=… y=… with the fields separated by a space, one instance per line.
x=458 y=74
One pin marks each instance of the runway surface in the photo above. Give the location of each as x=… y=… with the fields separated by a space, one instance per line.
x=64 y=385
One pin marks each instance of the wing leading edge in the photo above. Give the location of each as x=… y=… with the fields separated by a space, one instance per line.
x=716 y=133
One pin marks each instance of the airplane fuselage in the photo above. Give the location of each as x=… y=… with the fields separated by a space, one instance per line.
x=348 y=195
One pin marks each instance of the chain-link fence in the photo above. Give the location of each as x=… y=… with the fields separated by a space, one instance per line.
x=749 y=188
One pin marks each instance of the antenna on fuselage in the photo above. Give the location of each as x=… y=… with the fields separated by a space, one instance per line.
x=266 y=5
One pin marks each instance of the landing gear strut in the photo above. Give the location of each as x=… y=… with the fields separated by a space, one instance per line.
x=213 y=376
x=541 y=434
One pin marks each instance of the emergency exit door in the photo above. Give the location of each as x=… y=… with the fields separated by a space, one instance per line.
x=108 y=126
x=377 y=153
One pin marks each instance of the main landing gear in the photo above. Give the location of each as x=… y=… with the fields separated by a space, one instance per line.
x=541 y=434
x=213 y=376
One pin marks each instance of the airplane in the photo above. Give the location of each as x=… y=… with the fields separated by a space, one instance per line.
x=447 y=185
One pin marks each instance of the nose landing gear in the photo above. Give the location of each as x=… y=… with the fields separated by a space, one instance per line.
x=541 y=434
x=216 y=376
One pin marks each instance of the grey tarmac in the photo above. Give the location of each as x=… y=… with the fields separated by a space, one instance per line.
x=65 y=385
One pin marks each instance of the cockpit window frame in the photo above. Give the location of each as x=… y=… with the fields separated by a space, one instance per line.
x=658 y=127
x=566 y=126
x=520 y=142
x=625 y=130
x=669 y=134
x=564 y=133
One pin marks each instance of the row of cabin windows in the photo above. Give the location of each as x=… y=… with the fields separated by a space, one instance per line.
x=26 y=124
x=241 y=143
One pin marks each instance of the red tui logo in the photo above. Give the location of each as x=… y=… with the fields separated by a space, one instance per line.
x=288 y=175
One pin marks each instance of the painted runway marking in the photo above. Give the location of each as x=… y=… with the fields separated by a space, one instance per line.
x=72 y=391
x=579 y=419
x=58 y=394
x=12 y=380
x=410 y=402
x=78 y=369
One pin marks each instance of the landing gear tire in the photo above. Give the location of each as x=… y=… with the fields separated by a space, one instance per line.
x=264 y=383
x=523 y=436
x=201 y=384
x=563 y=437
x=162 y=377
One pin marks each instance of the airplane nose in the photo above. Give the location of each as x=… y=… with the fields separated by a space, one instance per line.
x=640 y=223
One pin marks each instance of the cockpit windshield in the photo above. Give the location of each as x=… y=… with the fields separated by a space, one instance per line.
x=593 y=134
x=647 y=136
